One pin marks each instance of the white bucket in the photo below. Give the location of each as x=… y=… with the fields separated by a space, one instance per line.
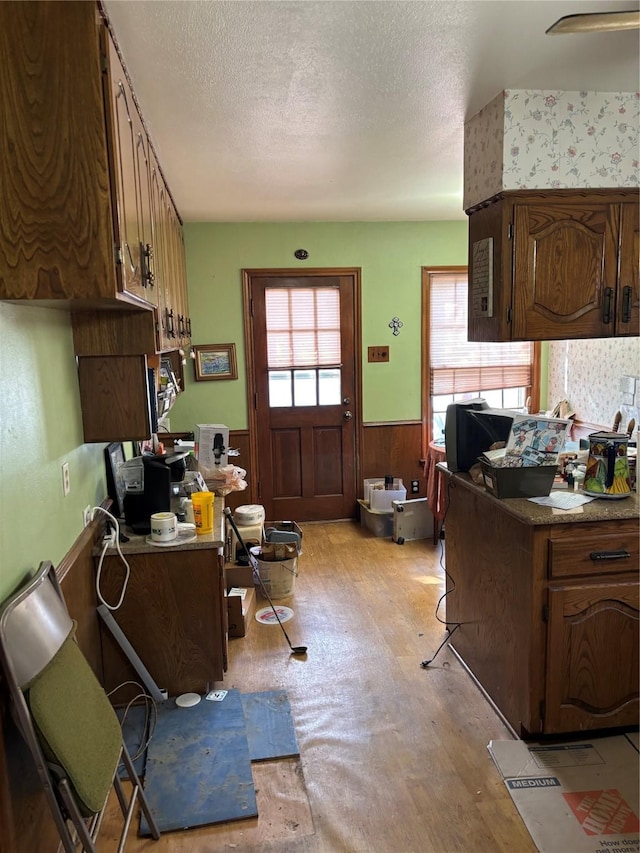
x=278 y=577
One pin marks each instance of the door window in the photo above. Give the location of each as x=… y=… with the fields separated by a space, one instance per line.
x=303 y=346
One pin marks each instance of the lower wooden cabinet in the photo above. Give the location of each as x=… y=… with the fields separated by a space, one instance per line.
x=174 y=616
x=548 y=612
x=592 y=656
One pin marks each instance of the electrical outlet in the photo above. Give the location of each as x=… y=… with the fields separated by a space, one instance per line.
x=378 y=353
x=66 y=484
x=415 y=487
x=86 y=516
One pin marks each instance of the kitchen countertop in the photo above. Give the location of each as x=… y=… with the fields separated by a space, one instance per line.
x=138 y=544
x=600 y=509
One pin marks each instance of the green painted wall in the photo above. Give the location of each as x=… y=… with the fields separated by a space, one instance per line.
x=40 y=428
x=390 y=256
x=40 y=418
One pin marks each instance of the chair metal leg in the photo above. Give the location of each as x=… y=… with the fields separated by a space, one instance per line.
x=135 y=781
x=122 y=799
x=78 y=820
x=22 y=720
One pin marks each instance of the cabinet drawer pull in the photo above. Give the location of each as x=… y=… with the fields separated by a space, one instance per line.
x=610 y=555
x=626 y=304
x=606 y=314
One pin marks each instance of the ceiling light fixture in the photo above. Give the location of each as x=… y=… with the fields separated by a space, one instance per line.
x=595 y=22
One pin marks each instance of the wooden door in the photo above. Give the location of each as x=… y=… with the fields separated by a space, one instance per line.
x=592 y=657
x=565 y=264
x=303 y=381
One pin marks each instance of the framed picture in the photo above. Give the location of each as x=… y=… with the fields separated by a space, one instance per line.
x=215 y=361
x=114 y=458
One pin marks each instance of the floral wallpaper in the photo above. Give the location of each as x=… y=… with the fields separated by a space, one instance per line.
x=587 y=373
x=526 y=139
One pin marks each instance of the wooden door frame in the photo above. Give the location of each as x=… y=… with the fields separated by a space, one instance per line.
x=317 y=272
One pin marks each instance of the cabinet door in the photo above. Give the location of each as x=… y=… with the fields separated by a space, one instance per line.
x=114 y=397
x=145 y=224
x=628 y=303
x=178 y=321
x=160 y=249
x=56 y=240
x=565 y=270
x=173 y=614
x=123 y=149
x=592 y=657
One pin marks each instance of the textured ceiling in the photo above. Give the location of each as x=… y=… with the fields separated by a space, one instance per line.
x=342 y=109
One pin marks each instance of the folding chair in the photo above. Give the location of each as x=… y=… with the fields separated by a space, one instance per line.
x=64 y=714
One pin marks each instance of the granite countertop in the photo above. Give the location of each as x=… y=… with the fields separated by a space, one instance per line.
x=600 y=509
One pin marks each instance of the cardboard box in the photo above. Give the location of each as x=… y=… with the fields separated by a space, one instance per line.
x=577 y=796
x=531 y=482
x=204 y=441
x=241 y=603
x=238 y=576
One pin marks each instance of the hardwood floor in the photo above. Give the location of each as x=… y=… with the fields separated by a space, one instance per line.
x=393 y=757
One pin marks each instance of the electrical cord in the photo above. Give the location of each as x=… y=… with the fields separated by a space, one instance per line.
x=151 y=711
x=115 y=539
x=450 y=631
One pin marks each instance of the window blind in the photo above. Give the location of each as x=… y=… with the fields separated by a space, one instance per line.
x=460 y=366
x=303 y=327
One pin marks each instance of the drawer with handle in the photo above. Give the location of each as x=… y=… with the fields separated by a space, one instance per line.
x=594 y=549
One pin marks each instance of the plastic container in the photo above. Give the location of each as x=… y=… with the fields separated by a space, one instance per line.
x=382 y=499
x=202 y=503
x=278 y=577
x=283 y=531
x=377 y=522
x=248 y=515
x=377 y=485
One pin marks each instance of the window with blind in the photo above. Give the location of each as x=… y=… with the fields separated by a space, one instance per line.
x=460 y=369
x=303 y=346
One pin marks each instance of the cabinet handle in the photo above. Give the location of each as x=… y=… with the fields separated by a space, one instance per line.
x=609 y=555
x=170 y=331
x=606 y=314
x=148 y=255
x=626 y=304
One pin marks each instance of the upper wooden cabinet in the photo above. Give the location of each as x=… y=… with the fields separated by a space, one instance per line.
x=554 y=265
x=82 y=224
x=130 y=168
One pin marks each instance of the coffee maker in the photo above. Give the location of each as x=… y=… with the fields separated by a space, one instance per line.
x=148 y=490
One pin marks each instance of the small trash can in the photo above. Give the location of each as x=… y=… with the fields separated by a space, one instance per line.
x=277 y=575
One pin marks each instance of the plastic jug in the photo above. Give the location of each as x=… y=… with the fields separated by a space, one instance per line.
x=202 y=503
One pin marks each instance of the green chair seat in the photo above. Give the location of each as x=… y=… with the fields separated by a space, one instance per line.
x=69 y=705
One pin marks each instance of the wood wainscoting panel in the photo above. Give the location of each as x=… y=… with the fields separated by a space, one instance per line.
x=393 y=448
